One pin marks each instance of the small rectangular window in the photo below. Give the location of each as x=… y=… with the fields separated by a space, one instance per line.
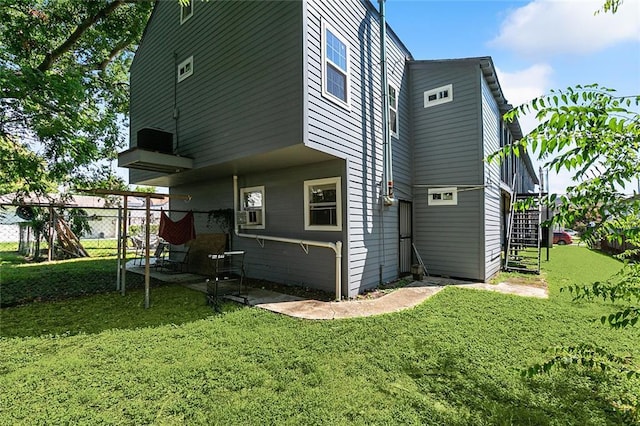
x=438 y=96
x=393 y=110
x=443 y=196
x=335 y=66
x=185 y=68
x=186 y=11
x=323 y=204
x=252 y=207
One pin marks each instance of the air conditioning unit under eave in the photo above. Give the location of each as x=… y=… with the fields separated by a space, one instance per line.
x=249 y=217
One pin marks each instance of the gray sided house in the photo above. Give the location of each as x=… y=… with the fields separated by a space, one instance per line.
x=274 y=108
x=461 y=202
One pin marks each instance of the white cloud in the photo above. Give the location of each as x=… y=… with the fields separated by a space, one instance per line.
x=524 y=85
x=544 y=28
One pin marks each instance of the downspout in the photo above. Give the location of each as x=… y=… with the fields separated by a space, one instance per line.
x=336 y=247
x=387 y=167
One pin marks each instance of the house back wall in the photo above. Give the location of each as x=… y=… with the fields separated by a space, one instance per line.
x=448 y=152
x=284 y=217
x=245 y=94
x=354 y=132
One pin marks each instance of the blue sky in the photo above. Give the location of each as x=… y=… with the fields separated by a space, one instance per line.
x=536 y=45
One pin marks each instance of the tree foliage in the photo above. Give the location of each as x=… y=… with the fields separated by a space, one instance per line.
x=594 y=133
x=63 y=89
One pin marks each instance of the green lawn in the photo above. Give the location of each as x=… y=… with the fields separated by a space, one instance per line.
x=24 y=282
x=453 y=360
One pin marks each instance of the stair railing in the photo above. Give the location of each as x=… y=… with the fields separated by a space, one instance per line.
x=510 y=226
x=540 y=223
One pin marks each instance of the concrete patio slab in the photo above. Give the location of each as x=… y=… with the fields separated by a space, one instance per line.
x=313 y=309
x=396 y=300
x=162 y=274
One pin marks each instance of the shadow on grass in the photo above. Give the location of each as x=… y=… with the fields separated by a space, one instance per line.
x=170 y=304
x=449 y=390
x=25 y=282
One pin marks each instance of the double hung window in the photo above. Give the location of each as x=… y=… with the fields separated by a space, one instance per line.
x=393 y=110
x=335 y=52
x=323 y=204
x=252 y=200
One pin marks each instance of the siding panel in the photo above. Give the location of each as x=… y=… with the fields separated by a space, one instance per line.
x=355 y=134
x=284 y=217
x=492 y=211
x=226 y=109
x=448 y=152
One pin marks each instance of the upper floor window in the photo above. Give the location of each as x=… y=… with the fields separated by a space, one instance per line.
x=438 y=96
x=252 y=207
x=393 y=110
x=323 y=204
x=335 y=66
x=185 y=68
x=186 y=11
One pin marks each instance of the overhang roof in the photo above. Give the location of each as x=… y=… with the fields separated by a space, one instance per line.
x=142 y=159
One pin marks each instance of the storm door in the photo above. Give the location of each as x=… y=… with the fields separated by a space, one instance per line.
x=406 y=237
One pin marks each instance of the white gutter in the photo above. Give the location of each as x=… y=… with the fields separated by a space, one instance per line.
x=336 y=247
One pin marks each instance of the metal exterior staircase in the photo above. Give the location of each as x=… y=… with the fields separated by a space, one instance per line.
x=524 y=234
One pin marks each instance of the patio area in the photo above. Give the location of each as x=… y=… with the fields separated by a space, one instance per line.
x=308 y=308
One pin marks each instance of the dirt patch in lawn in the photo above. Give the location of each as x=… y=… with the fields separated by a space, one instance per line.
x=293 y=290
x=533 y=281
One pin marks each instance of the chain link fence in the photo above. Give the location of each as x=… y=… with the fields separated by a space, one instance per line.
x=55 y=251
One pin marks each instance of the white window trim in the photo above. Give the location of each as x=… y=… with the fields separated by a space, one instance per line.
x=244 y=208
x=323 y=40
x=182 y=64
x=439 y=100
x=183 y=18
x=452 y=202
x=307 y=218
x=394 y=108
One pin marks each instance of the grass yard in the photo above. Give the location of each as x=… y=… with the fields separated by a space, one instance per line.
x=24 y=282
x=28 y=282
x=453 y=360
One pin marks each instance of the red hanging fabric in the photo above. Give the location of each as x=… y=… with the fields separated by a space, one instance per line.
x=178 y=232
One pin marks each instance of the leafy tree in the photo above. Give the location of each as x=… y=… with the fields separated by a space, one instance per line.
x=39 y=224
x=78 y=221
x=147 y=189
x=63 y=89
x=593 y=132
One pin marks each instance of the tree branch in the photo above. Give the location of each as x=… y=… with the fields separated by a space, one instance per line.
x=114 y=52
x=51 y=57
